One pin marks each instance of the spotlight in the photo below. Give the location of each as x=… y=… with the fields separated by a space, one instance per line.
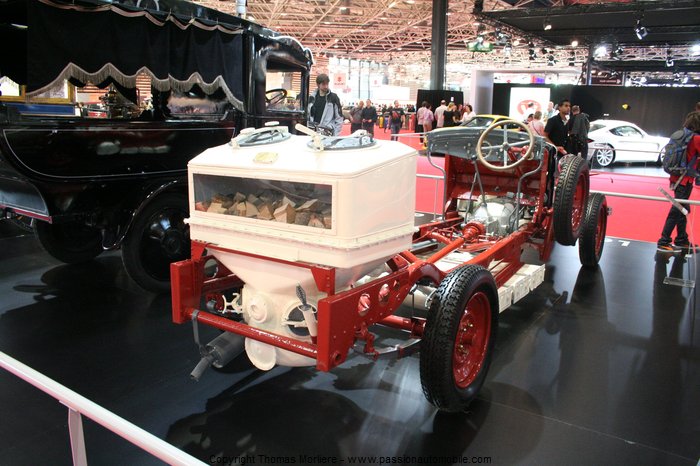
x=640 y=30
x=544 y=51
x=669 y=62
x=547 y=24
x=574 y=43
x=601 y=51
x=550 y=60
x=695 y=49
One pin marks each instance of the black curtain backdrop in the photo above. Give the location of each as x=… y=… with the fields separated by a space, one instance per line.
x=658 y=110
x=434 y=97
x=73 y=44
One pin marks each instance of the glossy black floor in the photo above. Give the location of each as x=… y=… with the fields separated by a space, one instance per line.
x=595 y=367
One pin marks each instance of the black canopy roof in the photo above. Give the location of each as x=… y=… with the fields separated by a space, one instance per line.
x=179 y=46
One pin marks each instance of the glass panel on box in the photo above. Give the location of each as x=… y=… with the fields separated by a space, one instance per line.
x=306 y=204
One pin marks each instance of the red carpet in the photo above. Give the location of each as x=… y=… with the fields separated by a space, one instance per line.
x=634 y=219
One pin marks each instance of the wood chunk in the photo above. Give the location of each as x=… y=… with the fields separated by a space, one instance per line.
x=227 y=201
x=328 y=221
x=239 y=197
x=310 y=205
x=286 y=200
x=285 y=214
x=216 y=207
x=240 y=209
x=250 y=209
x=265 y=211
x=202 y=206
x=302 y=218
x=252 y=198
x=218 y=197
x=316 y=222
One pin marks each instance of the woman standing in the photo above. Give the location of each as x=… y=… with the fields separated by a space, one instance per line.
x=468 y=114
x=450 y=115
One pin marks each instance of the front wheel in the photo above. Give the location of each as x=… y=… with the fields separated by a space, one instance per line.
x=459 y=337
x=595 y=222
x=157 y=237
x=605 y=156
x=570 y=197
x=70 y=243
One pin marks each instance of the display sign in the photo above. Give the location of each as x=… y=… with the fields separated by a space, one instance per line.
x=526 y=100
x=340 y=80
x=607 y=80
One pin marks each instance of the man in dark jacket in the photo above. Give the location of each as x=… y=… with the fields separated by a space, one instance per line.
x=369 y=117
x=325 y=109
x=578 y=127
x=555 y=130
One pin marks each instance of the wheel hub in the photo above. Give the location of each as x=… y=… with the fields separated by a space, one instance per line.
x=471 y=340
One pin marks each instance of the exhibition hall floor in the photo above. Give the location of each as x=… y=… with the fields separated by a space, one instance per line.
x=594 y=367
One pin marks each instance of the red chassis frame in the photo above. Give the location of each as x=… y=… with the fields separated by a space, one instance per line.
x=344 y=318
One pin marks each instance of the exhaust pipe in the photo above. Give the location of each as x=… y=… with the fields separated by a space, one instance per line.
x=218 y=352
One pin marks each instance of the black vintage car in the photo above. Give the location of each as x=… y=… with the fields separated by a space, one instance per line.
x=113 y=175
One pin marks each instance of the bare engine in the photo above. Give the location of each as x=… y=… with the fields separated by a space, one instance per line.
x=497 y=214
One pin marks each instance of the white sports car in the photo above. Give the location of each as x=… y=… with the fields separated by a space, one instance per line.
x=621 y=141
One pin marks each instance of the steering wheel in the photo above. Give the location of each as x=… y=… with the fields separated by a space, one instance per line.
x=513 y=154
x=275 y=96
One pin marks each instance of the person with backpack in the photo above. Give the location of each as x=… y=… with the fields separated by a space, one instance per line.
x=325 y=109
x=396 y=120
x=681 y=162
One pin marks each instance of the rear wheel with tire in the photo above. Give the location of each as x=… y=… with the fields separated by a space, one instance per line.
x=605 y=156
x=70 y=243
x=570 y=198
x=595 y=222
x=157 y=237
x=459 y=337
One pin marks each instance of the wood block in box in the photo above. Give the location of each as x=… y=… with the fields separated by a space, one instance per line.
x=217 y=208
x=316 y=222
x=250 y=209
x=201 y=206
x=310 y=205
x=302 y=218
x=286 y=200
x=252 y=198
x=239 y=197
x=285 y=214
x=265 y=212
x=328 y=221
x=240 y=209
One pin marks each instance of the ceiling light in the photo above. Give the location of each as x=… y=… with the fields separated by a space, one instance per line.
x=392 y=4
x=695 y=49
x=640 y=30
x=600 y=52
x=516 y=42
x=547 y=24
x=574 y=43
x=410 y=2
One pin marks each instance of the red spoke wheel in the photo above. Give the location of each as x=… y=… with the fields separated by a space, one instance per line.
x=459 y=337
x=595 y=222
x=570 y=198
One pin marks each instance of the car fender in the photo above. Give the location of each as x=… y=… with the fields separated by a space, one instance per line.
x=116 y=230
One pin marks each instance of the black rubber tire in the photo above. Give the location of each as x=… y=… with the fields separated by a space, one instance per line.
x=157 y=237
x=441 y=331
x=595 y=222
x=570 y=197
x=70 y=243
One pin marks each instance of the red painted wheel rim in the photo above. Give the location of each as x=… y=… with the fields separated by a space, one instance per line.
x=600 y=231
x=579 y=204
x=472 y=340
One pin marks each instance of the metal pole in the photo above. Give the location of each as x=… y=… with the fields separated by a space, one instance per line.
x=589 y=65
x=438 y=49
x=76 y=402
x=77 y=439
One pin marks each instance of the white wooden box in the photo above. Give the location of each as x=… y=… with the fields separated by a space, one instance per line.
x=363 y=200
